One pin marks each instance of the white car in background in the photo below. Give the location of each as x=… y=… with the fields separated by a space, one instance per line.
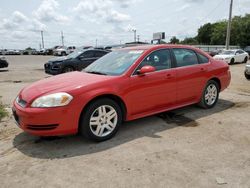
x=233 y=56
x=63 y=50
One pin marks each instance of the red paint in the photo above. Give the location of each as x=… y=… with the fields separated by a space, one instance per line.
x=143 y=95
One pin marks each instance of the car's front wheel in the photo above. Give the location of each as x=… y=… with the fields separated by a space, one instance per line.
x=210 y=95
x=101 y=120
x=232 y=61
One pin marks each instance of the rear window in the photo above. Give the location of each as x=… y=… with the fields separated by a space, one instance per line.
x=203 y=59
x=185 y=57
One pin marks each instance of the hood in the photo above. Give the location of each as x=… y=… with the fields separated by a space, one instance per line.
x=62 y=83
x=223 y=56
x=58 y=59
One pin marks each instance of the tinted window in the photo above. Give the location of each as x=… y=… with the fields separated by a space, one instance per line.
x=100 y=53
x=87 y=54
x=185 y=57
x=159 y=59
x=203 y=59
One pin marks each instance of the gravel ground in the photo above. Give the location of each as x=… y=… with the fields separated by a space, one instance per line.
x=188 y=147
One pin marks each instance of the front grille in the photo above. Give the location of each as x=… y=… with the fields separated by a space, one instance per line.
x=42 y=127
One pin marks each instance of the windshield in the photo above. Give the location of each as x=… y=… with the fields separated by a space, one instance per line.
x=227 y=52
x=114 y=63
x=75 y=54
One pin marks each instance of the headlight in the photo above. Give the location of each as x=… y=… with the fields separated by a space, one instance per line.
x=52 y=100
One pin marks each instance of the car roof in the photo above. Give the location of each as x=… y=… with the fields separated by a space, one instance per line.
x=148 y=47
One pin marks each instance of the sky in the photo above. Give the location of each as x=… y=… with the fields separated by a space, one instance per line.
x=105 y=22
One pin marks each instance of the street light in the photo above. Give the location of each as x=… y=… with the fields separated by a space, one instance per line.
x=134 y=30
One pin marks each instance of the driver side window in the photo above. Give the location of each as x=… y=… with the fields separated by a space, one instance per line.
x=159 y=59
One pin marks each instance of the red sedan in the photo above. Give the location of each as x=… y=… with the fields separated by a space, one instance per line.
x=123 y=85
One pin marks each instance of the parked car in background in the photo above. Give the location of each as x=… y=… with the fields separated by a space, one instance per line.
x=11 y=52
x=247 y=71
x=233 y=56
x=63 y=50
x=3 y=62
x=123 y=85
x=215 y=52
x=75 y=61
x=247 y=49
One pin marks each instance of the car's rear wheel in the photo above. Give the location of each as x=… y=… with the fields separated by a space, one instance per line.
x=247 y=76
x=232 y=61
x=210 y=95
x=245 y=60
x=68 y=69
x=101 y=120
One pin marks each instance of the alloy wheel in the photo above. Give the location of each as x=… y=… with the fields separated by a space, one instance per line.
x=211 y=94
x=103 y=121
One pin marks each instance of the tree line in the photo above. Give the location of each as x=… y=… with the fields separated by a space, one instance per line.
x=215 y=33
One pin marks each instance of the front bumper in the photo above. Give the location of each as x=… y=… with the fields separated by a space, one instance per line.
x=50 y=70
x=46 y=121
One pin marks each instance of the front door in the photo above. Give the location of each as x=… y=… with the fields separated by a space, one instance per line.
x=156 y=90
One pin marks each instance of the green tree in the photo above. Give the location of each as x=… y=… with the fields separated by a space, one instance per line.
x=174 y=40
x=204 y=33
x=190 y=40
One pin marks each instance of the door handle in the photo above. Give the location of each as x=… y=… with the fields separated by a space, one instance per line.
x=169 y=76
x=203 y=70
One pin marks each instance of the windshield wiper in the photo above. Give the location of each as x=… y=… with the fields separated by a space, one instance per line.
x=96 y=72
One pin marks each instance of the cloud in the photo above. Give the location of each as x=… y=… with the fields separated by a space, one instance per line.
x=15 y=20
x=117 y=17
x=47 y=12
x=98 y=9
x=126 y=3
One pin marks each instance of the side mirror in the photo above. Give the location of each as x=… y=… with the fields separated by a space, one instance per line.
x=146 y=69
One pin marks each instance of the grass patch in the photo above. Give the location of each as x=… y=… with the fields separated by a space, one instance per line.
x=3 y=111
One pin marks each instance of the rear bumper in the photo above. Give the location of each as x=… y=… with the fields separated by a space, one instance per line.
x=225 y=80
x=46 y=121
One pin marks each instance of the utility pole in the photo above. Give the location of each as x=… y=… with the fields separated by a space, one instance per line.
x=96 y=43
x=138 y=38
x=42 y=39
x=62 y=38
x=229 y=25
x=134 y=30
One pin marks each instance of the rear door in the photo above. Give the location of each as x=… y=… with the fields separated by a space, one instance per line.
x=190 y=74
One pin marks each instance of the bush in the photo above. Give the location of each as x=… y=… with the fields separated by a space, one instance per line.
x=3 y=112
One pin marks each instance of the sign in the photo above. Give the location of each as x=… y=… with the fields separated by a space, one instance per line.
x=159 y=36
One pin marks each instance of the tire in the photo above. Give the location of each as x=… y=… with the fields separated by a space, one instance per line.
x=232 y=61
x=210 y=95
x=247 y=76
x=245 y=60
x=63 y=54
x=68 y=69
x=100 y=120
